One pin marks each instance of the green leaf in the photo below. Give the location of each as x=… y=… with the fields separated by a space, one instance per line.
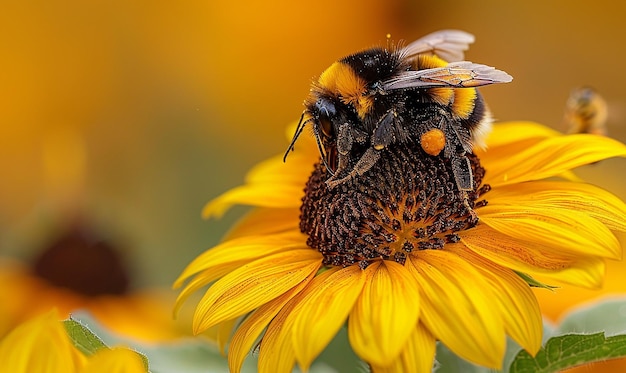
x=83 y=339
x=567 y=351
x=87 y=341
x=534 y=283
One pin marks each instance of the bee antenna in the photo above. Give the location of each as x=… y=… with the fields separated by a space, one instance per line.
x=320 y=147
x=299 y=130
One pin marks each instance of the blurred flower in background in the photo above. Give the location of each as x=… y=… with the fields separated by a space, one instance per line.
x=80 y=271
x=77 y=265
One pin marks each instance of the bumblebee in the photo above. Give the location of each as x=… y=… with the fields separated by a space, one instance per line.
x=422 y=93
x=585 y=112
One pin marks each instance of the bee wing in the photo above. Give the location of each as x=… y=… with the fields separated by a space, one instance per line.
x=447 y=44
x=462 y=74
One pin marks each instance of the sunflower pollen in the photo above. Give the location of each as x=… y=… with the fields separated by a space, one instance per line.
x=407 y=201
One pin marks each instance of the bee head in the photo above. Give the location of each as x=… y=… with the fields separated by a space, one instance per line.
x=323 y=113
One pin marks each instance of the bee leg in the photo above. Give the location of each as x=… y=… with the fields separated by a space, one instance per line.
x=347 y=136
x=462 y=171
x=344 y=145
x=367 y=160
x=468 y=208
x=384 y=133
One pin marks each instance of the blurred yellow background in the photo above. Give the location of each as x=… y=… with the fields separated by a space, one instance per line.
x=132 y=115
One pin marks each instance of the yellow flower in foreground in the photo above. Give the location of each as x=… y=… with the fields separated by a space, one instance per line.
x=42 y=345
x=403 y=260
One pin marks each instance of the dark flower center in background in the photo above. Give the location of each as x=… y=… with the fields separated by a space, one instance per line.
x=407 y=201
x=79 y=262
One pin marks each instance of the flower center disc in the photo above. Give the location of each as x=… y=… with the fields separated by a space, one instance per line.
x=407 y=201
x=78 y=262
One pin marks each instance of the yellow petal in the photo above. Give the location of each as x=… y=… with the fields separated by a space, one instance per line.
x=277 y=352
x=230 y=255
x=224 y=332
x=253 y=285
x=201 y=280
x=116 y=360
x=273 y=170
x=552 y=157
x=506 y=133
x=252 y=326
x=508 y=138
x=266 y=221
x=496 y=158
x=244 y=249
x=416 y=357
x=564 y=230
x=320 y=315
x=39 y=345
x=516 y=302
x=272 y=194
x=459 y=307
x=385 y=314
x=271 y=183
x=534 y=259
x=589 y=199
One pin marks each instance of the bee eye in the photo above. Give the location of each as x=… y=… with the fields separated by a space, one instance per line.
x=326 y=111
x=326 y=126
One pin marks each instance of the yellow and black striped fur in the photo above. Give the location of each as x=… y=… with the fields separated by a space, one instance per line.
x=422 y=93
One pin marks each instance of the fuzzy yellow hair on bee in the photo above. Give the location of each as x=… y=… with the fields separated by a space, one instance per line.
x=423 y=93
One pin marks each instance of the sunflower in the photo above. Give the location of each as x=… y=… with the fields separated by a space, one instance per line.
x=41 y=344
x=79 y=271
x=403 y=262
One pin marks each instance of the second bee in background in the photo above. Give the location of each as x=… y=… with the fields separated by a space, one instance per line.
x=585 y=112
